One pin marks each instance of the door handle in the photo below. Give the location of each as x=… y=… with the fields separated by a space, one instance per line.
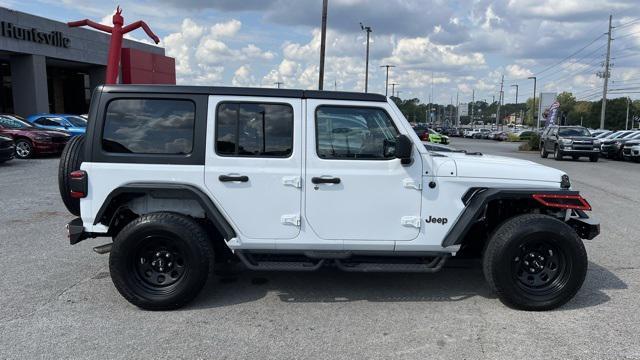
x=229 y=178
x=325 y=180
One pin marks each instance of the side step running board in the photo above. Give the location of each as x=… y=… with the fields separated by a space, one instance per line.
x=248 y=261
x=433 y=266
x=312 y=262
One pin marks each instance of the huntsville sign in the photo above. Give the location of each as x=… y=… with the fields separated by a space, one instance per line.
x=53 y=38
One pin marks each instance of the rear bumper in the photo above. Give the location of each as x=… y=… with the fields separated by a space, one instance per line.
x=76 y=233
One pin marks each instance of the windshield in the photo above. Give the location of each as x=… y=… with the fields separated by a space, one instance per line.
x=77 y=121
x=13 y=122
x=577 y=131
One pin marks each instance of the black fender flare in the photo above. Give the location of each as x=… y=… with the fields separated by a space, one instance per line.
x=477 y=199
x=108 y=209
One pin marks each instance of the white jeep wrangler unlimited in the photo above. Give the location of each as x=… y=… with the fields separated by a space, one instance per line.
x=184 y=177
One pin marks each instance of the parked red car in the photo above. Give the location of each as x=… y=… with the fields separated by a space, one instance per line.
x=30 y=140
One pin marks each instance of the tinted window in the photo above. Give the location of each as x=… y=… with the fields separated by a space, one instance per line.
x=254 y=129
x=354 y=133
x=149 y=126
x=77 y=121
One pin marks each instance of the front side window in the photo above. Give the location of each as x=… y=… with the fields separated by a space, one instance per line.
x=354 y=133
x=149 y=126
x=254 y=129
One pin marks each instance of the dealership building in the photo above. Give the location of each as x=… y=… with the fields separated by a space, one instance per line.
x=48 y=67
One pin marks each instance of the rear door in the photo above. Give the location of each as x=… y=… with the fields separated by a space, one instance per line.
x=253 y=164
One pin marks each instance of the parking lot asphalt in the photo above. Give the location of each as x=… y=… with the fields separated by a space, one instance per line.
x=58 y=300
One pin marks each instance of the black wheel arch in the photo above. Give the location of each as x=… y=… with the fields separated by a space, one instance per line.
x=482 y=203
x=114 y=203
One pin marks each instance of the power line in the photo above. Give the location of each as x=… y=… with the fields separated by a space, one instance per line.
x=573 y=54
x=631 y=22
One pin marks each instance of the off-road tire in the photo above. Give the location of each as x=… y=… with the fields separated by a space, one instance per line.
x=156 y=231
x=543 y=152
x=503 y=251
x=70 y=160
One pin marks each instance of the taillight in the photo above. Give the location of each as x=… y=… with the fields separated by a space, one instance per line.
x=575 y=201
x=78 y=184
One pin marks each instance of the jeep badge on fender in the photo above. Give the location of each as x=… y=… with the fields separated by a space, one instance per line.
x=434 y=220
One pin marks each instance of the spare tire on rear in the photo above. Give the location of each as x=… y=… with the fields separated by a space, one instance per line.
x=70 y=160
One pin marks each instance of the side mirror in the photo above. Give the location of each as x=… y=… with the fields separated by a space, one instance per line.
x=404 y=146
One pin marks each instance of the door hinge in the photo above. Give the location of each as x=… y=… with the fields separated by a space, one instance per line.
x=290 y=219
x=410 y=221
x=294 y=181
x=412 y=184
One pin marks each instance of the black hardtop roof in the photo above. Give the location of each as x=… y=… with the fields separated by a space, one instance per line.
x=243 y=91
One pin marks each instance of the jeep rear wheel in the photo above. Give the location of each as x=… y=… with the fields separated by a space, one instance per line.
x=160 y=261
x=535 y=262
x=70 y=160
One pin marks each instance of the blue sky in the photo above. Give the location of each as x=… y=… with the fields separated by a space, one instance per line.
x=458 y=45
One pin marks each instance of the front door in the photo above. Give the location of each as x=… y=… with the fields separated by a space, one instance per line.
x=254 y=164
x=355 y=188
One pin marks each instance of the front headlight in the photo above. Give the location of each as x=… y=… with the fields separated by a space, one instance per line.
x=596 y=142
x=565 y=141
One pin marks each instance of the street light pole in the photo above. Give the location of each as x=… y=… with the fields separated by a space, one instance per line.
x=323 y=38
x=366 y=70
x=516 y=86
x=393 y=88
x=386 y=82
x=535 y=80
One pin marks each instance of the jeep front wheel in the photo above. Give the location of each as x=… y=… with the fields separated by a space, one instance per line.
x=160 y=261
x=535 y=262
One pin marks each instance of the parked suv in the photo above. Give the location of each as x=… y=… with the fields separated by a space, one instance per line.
x=30 y=140
x=182 y=178
x=574 y=141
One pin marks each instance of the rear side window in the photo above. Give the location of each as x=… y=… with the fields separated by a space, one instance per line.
x=254 y=129
x=149 y=126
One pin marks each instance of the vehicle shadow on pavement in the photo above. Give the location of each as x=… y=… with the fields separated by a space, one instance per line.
x=460 y=280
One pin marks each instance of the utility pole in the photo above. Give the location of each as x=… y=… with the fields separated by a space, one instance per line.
x=366 y=68
x=473 y=103
x=499 y=102
x=393 y=88
x=626 y=124
x=534 y=107
x=386 y=82
x=398 y=94
x=335 y=85
x=605 y=75
x=323 y=39
x=457 y=108
x=278 y=83
x=516 y=86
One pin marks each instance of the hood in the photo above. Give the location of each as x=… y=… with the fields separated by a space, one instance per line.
x=502 y=167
